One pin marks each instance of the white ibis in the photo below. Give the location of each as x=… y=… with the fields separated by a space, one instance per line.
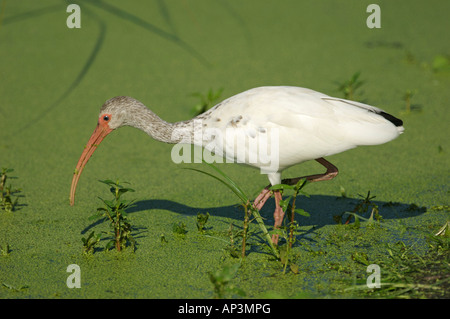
x=309 y=126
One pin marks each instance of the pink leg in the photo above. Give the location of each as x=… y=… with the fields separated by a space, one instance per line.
x=331 y=173
x=262 y=198
x=278 y=215
x=265 y=194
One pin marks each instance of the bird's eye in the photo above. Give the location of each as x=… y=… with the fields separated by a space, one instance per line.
x=106 y=118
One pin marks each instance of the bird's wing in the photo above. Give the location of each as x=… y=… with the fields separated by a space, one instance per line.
x=309 y=124
x=338 y=121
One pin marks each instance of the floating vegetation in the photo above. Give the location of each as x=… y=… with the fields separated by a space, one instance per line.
x=9 y=197
x=349 y=87
x=115 y=211
x=207 y=101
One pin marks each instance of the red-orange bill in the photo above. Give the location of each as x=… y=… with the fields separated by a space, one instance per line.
x=99 y=134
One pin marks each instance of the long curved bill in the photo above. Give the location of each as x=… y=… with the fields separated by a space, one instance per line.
x=97 y=137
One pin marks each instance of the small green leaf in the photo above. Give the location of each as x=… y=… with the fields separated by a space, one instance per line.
x=361 y=258
x=300 y=184
x=357 y=222
x=277 y=231
x=285 y=203
x=108 y=203
x=124 y=190
x=302 y=212
x=110 y=244
x=294 y=268
x=107 y=182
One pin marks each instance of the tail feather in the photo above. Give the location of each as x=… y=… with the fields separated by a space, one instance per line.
x=396 y=121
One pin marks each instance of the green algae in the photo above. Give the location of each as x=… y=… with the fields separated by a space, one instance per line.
x=55 y=80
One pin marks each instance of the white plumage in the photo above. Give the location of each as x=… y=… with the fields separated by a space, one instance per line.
x=310 y=124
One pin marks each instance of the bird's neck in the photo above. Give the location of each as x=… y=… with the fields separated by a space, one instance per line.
x=161 y=130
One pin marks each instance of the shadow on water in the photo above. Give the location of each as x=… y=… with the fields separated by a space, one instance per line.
x=321 y=208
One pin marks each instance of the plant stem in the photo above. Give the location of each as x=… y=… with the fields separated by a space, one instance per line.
x=228 y=182
x=291 y=226
x=3 y=182
x=244 y=237
x=266 y=234
x=117 y=228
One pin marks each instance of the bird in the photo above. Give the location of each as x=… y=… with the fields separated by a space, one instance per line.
x=270 y=127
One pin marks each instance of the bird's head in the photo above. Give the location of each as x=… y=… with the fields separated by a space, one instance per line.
x=117 y=111
x=113 y=114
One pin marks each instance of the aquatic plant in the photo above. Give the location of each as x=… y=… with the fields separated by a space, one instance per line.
x=202 y=219
x=407 y=98
x=444 y=230
x=7 y=201
x=249 y=208
x=5 y=250
x=179 y=229
x=361 y=207
x=13 y=288
x=162 y=238
x=90 y=242
x=349 y=87
x=408 y=274
x=207 y=100
x=409 y=107
x=115 y=211
x=441 y=63
x=221 y=279
x=285 y=253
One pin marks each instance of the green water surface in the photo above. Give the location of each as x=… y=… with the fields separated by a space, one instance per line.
x=53 y=81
